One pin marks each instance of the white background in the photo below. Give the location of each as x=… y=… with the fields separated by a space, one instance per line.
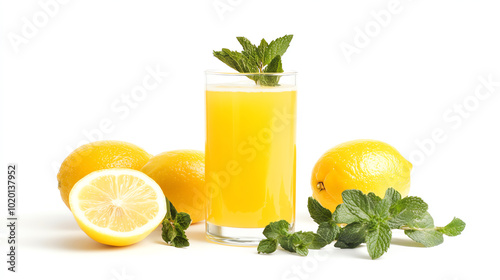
x=407 y=81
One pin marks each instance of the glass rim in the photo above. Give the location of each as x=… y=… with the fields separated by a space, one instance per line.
x=236 y=74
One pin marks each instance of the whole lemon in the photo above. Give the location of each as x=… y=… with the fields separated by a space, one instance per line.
x=97 y=156
x=181 y=176
x=366 y=165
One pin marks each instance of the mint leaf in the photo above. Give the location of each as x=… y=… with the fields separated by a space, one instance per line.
x=374 y=198
x=327 y=232
x=342 y=215
x=392 y=195
x=171 y=211
x=277 y=47
x=276 y=229
x=406 y=210
x=173 y=226
x=180 y=239
x=301 y=250
x=182 y=220
x=424 y=222
x=300 y=241
x=267 y=246
x=378 y=240
x=304 y=237
x=382 y=209
x=380 y=206
x=227 y=59
x=318 y=213
x=180 y=242
x=383 y=206
x=249 y=67
x=287 y=242
x=297 y=242
x=427 y=237
x=277 y=233
x=236 y=58
x=251 y=54
x=422 y=230
x=168 y=232
x=352 y=235
x=273 y=67
x=247 y=45
x=454 y=228
x=261 y=51
x=358 y=204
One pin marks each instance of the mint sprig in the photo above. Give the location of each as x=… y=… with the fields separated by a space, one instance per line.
x=265 y=58
x=278 y=233
x=174 y=225
x=370 y=219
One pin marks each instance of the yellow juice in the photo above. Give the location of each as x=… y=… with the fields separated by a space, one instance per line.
x=250 y=155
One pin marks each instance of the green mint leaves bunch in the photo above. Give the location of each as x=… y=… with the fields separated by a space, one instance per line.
x=296 y=242
x=265 y=58
x=368 y=219
x=174 y=225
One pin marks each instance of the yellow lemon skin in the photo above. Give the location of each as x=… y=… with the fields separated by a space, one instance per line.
x=97 y=156
x=366 y=165
x=117 y=206
x=181 y=176
x=111 y=240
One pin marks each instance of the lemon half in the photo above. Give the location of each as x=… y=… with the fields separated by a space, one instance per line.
x=117 y=206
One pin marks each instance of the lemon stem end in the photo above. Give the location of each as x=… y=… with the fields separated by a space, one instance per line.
x=320 y=186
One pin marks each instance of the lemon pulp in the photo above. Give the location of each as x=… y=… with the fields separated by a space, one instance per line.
x=117 y=206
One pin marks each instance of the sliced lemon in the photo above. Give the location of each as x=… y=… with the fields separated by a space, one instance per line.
x=117 y=206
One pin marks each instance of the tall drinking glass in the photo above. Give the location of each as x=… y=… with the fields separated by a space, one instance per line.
x=250 y=154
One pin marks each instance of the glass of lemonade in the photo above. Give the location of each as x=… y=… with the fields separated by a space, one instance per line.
x=250 y=155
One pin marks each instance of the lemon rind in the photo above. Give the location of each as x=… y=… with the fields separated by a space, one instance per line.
x=85 y=181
